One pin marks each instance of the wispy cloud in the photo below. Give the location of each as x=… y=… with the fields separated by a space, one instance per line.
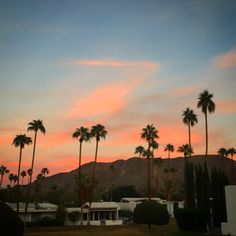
x=114 y=63
x=226 y=60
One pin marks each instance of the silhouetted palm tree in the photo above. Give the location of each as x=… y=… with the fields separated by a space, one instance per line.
x=3 y=171
x=35 y=126
x=44 y=171
x=189 y=119
x=169 y=148
x=29 y=172
x=158 y=162
x=11 y=177
x=139 y=150
x=149 y=134
x=231 y=152
x=23 y=174
x=98 y=132
x=223 y=152
x=83 y=135
x=207 y=105
x=186 y=150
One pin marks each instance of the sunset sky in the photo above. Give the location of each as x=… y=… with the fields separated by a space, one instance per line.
x=123 y=64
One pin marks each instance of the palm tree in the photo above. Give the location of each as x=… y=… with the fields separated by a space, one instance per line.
x=153 y=145
x=11 y=177
x=35 y=126
x=20 y=141
x=82 y=134
x=29 y=172
x=112 y=168
x=207 y=105
x=158 y=162
x=15 y=179
x=189 y=119
x=44 y=172
x=170 y=148
x=139 y=150
x=23 y=174
x=3 y=171
x=98 y=132
x=149 y=134
x=186 y=150
x=223 y=152
x=231 y=151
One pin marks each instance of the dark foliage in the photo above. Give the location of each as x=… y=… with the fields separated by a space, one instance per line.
x=150 y=212
x=191 y=219
x=189 y=181
x=10 y=222
x=124 y=191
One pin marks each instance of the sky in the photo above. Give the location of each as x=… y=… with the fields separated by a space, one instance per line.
x=123 y=64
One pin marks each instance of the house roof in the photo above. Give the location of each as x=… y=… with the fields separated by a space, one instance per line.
x=129 y=200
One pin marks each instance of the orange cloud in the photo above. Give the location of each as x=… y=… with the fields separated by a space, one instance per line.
x=104 y=100
x=115 y=63
x=227 y=60
x=226 y=106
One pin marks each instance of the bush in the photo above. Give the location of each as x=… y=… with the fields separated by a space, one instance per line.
x=191 y=219
x=47 y=221
x=60 y=215
x=10 y=222
x=151 y=212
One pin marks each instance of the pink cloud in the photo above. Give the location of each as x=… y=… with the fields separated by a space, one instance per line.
x=115 y=63
x=226 y=60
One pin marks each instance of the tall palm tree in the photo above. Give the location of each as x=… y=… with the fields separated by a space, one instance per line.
x=23 y=174
x=15 y=179
x=3 y=171
x=98 y=132
x=83 y=135
x=20 y=141
x=154 y=145
x=139 y=150
x=207 y=105
x=35 y=126
x=158 y=162
x=149 y=133
x=223 y=152
x=29 y=173
x=189 y=119
x=231 y=152
x=169 y=148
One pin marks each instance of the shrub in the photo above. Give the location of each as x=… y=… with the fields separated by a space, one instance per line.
x=60 y=215
x=47 y=221
x=191 y=219
x=151 y=212
x=10 y=222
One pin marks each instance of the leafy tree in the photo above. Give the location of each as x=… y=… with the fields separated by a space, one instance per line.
x=98 y=132
x=35 y=126
x=189 y=119
x=3 y=171
x=207 y=105
x=83 y=135
x=121 y=191
x=149 y=133
x=223 y=152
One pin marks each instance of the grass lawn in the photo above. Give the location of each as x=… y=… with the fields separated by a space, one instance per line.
x=130 y=230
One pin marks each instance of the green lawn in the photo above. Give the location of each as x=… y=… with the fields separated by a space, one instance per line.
x=129 y=230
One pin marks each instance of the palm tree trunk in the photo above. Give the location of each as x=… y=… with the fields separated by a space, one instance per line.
x=168 y=175
x=80 y=184
x=18 y=179
x=149 y=177
x=93 y=182
x=206 y=136
x=1 y=180
x=30 y=181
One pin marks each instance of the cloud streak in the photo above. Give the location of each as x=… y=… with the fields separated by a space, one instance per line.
x=225 y=61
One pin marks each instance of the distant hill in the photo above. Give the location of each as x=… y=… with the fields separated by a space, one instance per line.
x=133 y=171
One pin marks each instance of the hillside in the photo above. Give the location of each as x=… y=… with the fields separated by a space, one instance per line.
x=134 y=171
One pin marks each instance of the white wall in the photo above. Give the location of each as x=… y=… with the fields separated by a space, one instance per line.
x=229 y=227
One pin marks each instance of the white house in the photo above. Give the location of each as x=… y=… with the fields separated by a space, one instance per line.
x=102 y=213
x=36 y=211
x=129 y=204
x=229 y=227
